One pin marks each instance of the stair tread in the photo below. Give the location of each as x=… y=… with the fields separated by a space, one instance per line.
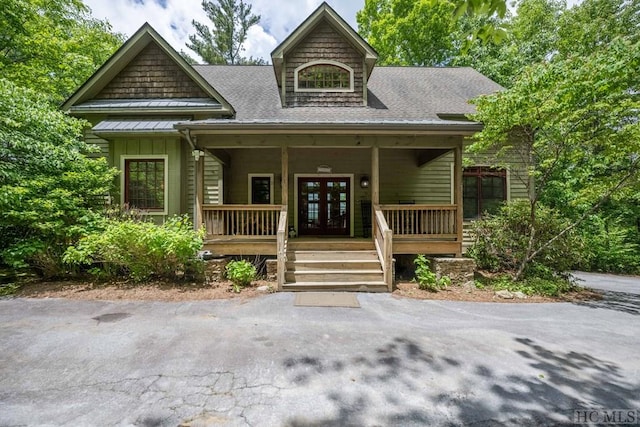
x=341 y=271
x=333 y=284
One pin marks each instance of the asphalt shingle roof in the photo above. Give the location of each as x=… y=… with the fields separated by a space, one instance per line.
x=396 y=94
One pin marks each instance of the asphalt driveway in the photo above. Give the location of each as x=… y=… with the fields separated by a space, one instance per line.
x=265 y=362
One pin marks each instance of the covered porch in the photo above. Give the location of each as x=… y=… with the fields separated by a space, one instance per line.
x=378 y=202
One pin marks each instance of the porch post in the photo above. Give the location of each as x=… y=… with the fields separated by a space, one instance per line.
x=375 y=176
x=285 y=175
x=199 y=193
x=375 y=190
x=457 y=194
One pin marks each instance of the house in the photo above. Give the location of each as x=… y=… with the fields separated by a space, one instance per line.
x=322 y=159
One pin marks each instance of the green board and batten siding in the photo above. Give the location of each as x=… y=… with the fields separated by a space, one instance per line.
x=168 y=146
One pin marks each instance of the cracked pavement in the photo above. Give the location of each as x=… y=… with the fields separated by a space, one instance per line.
x=264 y=362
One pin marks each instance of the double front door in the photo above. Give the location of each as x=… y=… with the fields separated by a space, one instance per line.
x=324 y=206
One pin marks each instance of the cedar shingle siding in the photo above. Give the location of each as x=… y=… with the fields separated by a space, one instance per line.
x=151 y=75
x=324 y=43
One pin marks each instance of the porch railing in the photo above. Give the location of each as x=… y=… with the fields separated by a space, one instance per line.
x=383 y=239
x=282 y=246
x=241 y=220
x=430 y=221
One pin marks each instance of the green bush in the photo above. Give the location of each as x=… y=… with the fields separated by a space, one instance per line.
x=427 y=279
x=138 y=250
x=611 y=246
x=501 y=241
x=550 y=287
x=51 y=193
x=241 y=273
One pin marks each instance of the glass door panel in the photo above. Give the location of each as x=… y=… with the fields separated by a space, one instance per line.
x=324 y=206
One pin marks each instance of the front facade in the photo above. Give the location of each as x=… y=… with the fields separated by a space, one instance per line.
x=321 y=147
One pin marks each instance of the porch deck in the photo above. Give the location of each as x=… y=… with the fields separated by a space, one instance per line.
x=251 y=230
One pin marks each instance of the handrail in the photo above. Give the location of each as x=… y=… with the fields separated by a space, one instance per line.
x=281 y=237
x=241 y=220
x=431 y=221
x=383 y=239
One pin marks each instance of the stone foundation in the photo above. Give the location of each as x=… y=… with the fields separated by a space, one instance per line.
x=214 y=269
x=459 y=270
x=272 y=270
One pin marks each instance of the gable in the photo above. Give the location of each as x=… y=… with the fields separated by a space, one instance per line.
x=322 y=18
x=324 y=44
x=151 y=75
x=148 y=75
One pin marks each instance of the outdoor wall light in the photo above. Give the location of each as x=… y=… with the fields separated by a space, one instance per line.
x=364 y=181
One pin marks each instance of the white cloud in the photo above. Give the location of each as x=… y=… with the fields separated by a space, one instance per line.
x=278 y=19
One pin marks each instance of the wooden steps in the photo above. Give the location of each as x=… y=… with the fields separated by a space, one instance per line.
x=327 y=269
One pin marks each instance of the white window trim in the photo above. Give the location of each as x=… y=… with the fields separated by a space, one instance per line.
x=165 y=157
x=351 y=87
x=352 y=220
x=260 y=175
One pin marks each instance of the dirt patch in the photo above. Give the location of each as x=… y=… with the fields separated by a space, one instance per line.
x=460 y=293
x=152 y=291
x=169 y=291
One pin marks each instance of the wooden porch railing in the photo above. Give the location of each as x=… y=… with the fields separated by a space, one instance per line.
x=383 y=239
x=430 y=221
x=282 y=246
x=241 y=220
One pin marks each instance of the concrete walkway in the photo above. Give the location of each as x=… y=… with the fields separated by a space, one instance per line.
x=264 y=362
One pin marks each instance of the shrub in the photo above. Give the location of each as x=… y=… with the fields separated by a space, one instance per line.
x=51 y=193
x=501 y=241
x=611 y=246
x=138 y=250
x=549 y=287
x=241 y=273
x=427 y=279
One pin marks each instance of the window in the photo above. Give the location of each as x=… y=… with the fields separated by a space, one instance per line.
x=326 y=76
x=260 y=189
x=484 y=190
x=144 y=183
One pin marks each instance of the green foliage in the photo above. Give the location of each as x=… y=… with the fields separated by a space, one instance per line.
x=611 y=246
x=138 y=250
x=51 y=193
x=52 y=45
x=502 y=241
x=548 y=287
x=222 y=43
x=427 y=279
x=409 y=32
x=241 y=273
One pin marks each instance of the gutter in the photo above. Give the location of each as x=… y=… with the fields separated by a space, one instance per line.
x=333 y=128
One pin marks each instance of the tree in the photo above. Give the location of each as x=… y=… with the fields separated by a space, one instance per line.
x=409 y=32
x=223 y=43
x=50 y=191
x=52 y=45
x=574 y=123
x=531 y=36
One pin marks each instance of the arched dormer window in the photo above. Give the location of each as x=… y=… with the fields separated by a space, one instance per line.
x=323 y=76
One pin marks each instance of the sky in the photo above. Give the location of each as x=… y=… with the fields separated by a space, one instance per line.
x=172 y=19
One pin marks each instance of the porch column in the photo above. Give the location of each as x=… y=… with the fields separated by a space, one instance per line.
x=457 y=193
x=199 y=192
x=285 y=175
x=375 y=175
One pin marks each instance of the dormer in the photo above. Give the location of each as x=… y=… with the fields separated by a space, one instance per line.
x=323 y=63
